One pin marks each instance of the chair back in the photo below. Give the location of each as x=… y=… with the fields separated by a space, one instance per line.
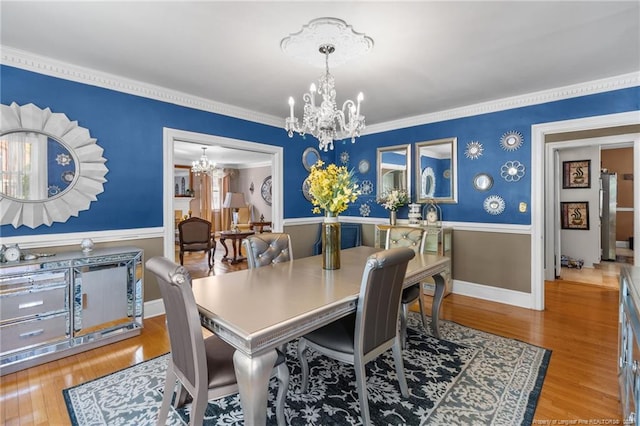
x=406 y=236
x=379 y=299
x=195 y=231
x=183 y=321
x=350 y=236
x=264 y=249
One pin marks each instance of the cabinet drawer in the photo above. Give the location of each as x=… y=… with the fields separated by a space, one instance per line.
x=25 y=334
x=38 y=301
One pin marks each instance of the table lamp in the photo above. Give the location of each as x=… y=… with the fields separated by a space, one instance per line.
x=234 y=200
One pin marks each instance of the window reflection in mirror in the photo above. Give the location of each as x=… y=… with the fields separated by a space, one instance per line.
x=394 y=168
x=436 y=174
x=34 y=166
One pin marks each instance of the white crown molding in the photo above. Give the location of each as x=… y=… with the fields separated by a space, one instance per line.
x=48 y=66
x=582 y=89
x=51 y=67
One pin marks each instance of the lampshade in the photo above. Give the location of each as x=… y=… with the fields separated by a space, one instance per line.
x=234 y=200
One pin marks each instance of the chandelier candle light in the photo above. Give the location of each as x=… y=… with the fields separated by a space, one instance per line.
x=325 y=121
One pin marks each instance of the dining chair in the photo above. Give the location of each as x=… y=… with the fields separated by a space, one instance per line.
x=204 y=367
x=413 y=238
x=194 y=234
x=369 y=332
x=264 y=249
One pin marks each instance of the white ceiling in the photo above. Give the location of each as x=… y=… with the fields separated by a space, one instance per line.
x=427 y=57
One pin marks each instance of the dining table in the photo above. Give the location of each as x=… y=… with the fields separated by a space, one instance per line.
x=260 y=309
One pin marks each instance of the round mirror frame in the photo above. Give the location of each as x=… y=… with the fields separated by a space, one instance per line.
x=306 y=158
x=482 y=182
x=86 y=153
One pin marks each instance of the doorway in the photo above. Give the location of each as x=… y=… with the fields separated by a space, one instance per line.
x=171 y=136
x=544 y=219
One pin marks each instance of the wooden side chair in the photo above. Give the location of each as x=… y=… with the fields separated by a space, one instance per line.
x=194 y=234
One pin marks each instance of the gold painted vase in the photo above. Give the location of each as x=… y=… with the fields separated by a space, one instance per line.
x=331 y=243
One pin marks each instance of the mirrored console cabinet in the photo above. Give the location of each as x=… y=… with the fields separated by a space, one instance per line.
x=57 y=306
x=629 y=344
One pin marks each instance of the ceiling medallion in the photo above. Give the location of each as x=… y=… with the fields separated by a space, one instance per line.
x=511 y=141
x=325 y=121
x=474 y=150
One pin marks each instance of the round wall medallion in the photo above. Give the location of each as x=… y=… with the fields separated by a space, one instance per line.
x=363 y=166
x=494 y=204
x=310 y=156
x=344 y=157
x=511 y=141
x=474 y=150
x=366 y=187
x=482 y=182
x=512 y=171
x=265 y=190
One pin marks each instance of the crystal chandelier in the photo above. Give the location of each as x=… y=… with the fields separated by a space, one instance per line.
x=325 y=121
x=204 y=166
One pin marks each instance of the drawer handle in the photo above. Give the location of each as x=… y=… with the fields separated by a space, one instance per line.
x=32 y=333
x=30 y=304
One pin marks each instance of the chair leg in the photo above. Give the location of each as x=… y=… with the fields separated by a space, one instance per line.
x=198 y=407
x=282 y=373
x=361 y=385
x=422 y=313
x=169 y=387
x=304 y=366
x=397 y=357
x=404 y=313
x=210 y=257
x=181 y=257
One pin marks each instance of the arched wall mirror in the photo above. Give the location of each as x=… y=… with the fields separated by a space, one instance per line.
x=436 y=174
x=51 y=168
x=394 y=168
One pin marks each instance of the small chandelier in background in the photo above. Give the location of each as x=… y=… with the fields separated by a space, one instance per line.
x=325 y=121
x=204 y=166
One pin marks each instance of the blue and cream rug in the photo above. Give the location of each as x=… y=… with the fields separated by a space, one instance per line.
x=469 y=378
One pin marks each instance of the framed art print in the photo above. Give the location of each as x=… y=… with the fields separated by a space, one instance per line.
x=574 y=215
x=576 y=174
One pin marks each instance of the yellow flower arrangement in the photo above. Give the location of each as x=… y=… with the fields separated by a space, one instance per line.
x=332 y=188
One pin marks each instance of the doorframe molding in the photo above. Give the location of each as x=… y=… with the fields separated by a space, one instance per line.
x=171 y=135
x=542 y=166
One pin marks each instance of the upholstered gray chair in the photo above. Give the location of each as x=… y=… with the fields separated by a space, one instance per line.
x=194 y=234
x=204 y=367
x=364 y=335
x=413 y=238
x=264 y=249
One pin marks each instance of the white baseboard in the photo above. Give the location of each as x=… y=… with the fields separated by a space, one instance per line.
x=153 y=308
x=493 y=294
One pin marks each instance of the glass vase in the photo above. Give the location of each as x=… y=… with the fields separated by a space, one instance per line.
x=393 y=217
x=331 y=243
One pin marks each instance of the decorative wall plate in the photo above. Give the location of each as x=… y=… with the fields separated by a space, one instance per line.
x=344 y=157
x=363 y=166
x=482 y=182
x=366 y=187
x=305 y=189
x=265 y=190
x=68 y=176
x=474 y=150
x=511 y=141
x=494 y=204
x=310 y=156
x=512 y=171
x=447 y=174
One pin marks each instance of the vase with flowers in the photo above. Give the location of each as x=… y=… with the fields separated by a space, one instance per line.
x=392 y=201
x=332 y=189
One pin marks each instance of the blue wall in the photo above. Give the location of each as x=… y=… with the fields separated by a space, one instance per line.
x=129 y=129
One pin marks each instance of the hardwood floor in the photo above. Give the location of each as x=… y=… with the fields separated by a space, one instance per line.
x=579 y=325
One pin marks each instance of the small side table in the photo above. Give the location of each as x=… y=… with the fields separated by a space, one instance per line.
x=236 y=238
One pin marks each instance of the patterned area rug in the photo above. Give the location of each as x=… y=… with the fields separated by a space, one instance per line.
x=468 y=378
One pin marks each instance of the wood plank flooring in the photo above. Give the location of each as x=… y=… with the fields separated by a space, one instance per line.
x=579 y=325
